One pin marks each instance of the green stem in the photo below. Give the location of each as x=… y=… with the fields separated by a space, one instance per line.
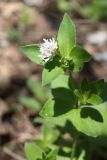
x=70 y=75
x=73 y=149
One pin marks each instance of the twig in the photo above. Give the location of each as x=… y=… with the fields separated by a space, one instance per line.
x=13 y=155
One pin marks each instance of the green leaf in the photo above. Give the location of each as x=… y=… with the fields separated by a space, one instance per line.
x=97 y=86
x=85 y=86
x=33 y=152
x=104 y=92
x=29 y=103
x=94 y=99
x=52 y=70
x=63 y=97
x=65 y=5
x=77 y=93
x=47 y=110
x=63 y=81
x=50 y=135
x=49 y=75
x=90 y=120
x=55 y=107
x=52 y=155
x=66 y=36
x=37 y=89
x=32 y=52
x=62 y=158
x=82 y=155
x=63 y=89
x=79 y=57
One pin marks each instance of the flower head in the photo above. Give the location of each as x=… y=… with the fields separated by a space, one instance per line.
x=48 y=48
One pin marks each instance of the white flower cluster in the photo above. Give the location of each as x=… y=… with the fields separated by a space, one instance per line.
x=47 y=49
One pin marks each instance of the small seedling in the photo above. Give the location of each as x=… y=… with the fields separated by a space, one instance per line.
x=27 y=16
x=96 y=10
x=39 y=95
x=14 y=34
